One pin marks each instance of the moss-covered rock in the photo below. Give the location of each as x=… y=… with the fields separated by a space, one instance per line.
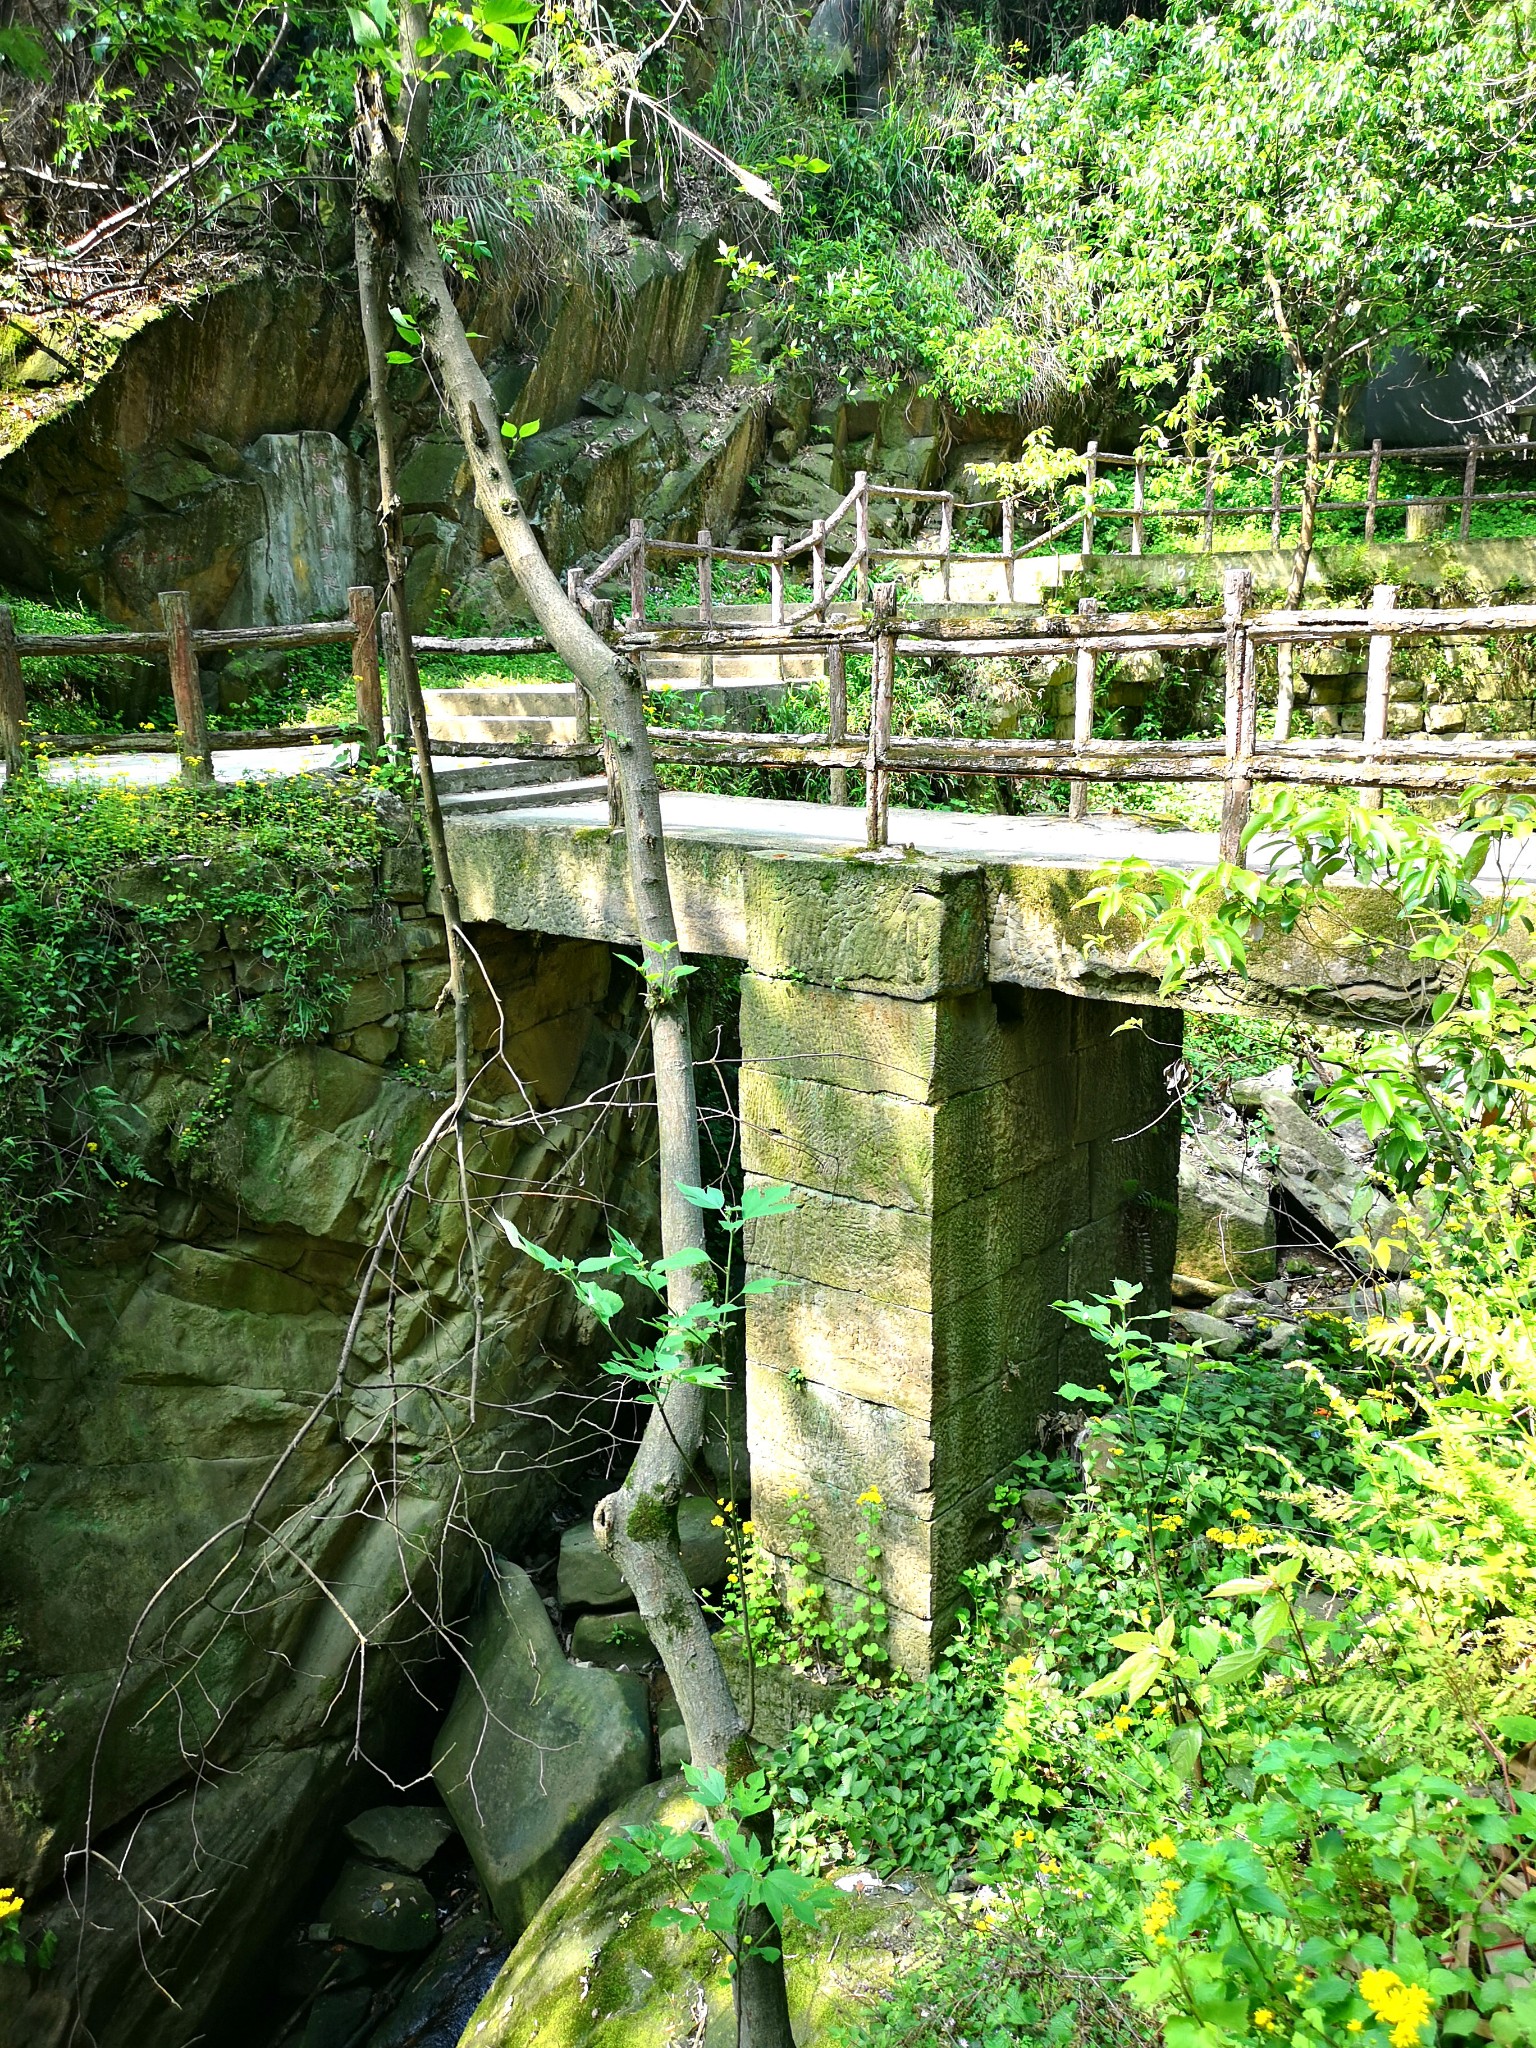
x=592 y=1972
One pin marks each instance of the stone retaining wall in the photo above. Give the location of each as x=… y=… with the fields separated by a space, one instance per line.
x=210 y=1322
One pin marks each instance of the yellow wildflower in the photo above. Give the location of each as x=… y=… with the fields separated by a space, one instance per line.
x=869 y=1498
x=1170 y=1522
x=1355 y=2027
x=1405 y=2008
x=1241 y=1515
x=11 y=1903
x=717 y=1521
x=1264 y=2018
x=746 y=1528
x=1164 y=1846
x=1159 y=1910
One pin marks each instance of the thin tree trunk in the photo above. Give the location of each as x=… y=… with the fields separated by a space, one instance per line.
x=638 y=1522
x=371 y=307
x=1311 y=491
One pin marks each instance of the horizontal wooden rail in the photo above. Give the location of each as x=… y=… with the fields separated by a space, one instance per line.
x=220 y=742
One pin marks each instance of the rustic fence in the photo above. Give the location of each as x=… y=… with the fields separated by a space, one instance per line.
x=179 y=644
x=846 y=531
x=1237 y=759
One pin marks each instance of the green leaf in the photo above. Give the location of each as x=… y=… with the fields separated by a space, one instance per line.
x=706 y=1783
x=702 y=1198
x=25 y=51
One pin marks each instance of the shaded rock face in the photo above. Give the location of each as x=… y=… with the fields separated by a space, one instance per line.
x=228 y=451
x=216 y=1762
x=591 y=1971
x=189 y=391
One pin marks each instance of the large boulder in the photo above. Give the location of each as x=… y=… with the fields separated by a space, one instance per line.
x=592 y=1972
x=588 y=1576
x=1329 y=1173
x=535 y=1750
x=1226 y=1227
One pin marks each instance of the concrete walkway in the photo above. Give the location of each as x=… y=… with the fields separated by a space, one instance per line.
x=230 y=764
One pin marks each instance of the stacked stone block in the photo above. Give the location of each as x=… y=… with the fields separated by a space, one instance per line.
x=963 y=1156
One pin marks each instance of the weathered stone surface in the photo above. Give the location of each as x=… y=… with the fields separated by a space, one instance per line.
x=591 y=1972
x=210 y=1325
x=901 y=1154
x=588 y=1577
x=382 y=1909
x=446 y=1986
x=614 y=1641
x=534 y=1751
x=1226 y=1226
x=1220 y=1338
x=893 y=924
x=850 y=1038
x=915 y=1260
x=406 y=1837
x=912 y=1359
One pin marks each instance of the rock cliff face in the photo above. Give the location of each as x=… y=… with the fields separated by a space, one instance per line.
x=227 y=451
x=201 y=1730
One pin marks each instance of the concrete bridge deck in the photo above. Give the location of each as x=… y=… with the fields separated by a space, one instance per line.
x=743 y=868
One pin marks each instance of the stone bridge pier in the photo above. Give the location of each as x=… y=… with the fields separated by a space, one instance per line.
x=969 y=1141
x=963 y=1154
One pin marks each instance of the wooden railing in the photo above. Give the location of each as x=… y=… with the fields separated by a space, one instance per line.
x=1237 y=759
x=179 y=644
x=846 y=531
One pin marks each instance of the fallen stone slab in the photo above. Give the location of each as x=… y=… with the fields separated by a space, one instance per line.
x=534 y=1752
x=1226 y=1227
x=407 y=1837
x=1220 y=1338
x=383 y=1909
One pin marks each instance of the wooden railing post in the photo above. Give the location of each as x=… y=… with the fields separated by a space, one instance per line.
x=13 y=698
x=637 y=572
x=1090 y=481
x=1285 y=690
x=399 y=719
x=861 y=536
x=1468 y=491
x=362 y=606
x=946 y=540
x=882 y=680
x=602 y=623
x=186 y=689
x=1276 y=484
x=776 y=580
x=837 y=717
x=1241 y=707
x=1138 y=507
x=1082 y=708
x=1208 y=529
x=1008 y=548
x=1372 y=489
x=819 y=567
x=1378 y=685
x=706 y=605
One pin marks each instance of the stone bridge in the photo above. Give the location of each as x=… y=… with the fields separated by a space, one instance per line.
x=963 y=1079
